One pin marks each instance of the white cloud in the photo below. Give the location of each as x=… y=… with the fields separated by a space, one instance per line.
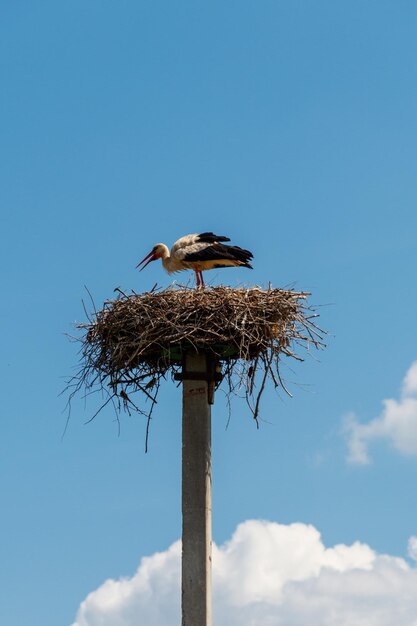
x=397 y=424
x=150 y=597
x=268 y=574
x=412 y=548
x=410 y=381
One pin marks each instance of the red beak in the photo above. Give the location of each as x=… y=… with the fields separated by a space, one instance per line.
x=148 y=258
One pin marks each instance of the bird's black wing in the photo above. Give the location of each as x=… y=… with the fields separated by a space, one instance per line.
x=211 y=238
x=219 y=252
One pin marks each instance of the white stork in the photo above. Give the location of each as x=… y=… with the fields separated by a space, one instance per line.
x=199 y=253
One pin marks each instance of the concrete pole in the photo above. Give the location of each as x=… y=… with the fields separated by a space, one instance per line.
x=196 y=493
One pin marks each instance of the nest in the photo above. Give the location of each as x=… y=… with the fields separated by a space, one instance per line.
x=137 y=340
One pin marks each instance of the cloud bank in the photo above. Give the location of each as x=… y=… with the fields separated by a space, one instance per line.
x=397 y=424
x=268 y=574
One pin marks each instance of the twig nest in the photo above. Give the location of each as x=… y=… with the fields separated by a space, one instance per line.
x=158 y=328
x=132 y=343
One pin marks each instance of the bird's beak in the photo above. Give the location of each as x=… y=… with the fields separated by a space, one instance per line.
x=148 y=258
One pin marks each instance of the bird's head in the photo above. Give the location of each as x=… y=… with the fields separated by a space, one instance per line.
x=158 y=251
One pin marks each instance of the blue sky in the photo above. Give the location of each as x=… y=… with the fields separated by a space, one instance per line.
x=290 y=127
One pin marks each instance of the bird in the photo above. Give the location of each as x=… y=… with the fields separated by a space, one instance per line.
x=198 y=252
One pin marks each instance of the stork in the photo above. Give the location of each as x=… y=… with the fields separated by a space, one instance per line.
x=205 y=251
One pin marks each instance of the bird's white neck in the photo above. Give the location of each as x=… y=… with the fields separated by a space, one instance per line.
x=165 y=258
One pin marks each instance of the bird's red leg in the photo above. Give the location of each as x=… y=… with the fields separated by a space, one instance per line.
x=197 y=279
x=202 y=280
